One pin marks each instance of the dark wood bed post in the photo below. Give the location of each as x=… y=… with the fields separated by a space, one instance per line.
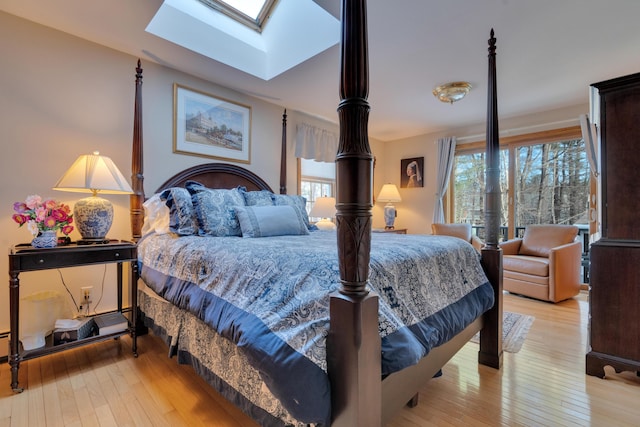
x=137 y=177
x=490 y=353
x=283 y=155
x=353 y=344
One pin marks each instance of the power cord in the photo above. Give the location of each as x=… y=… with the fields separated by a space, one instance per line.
x=68 y=291
x=104 y=274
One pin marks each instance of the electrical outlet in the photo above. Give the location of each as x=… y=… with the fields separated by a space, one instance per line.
x=87 y=294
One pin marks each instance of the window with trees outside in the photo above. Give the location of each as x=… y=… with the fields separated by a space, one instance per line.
x=544 y=179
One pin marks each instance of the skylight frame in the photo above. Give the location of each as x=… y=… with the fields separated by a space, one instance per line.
x=256 y=24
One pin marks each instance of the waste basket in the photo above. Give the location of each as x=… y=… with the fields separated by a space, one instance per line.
x=38 y=315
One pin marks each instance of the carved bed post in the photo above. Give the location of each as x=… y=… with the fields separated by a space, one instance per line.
x=353 y=344
x=283 y=155
x=491 y=335
x=137 y=177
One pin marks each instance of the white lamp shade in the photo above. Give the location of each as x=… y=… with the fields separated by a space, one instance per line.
x=92 y=173
x=324 y=208
x=389 y=194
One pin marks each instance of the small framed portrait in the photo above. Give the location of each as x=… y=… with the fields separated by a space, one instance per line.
x=411 y=172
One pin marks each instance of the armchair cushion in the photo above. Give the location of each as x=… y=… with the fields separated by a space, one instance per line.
x=536 y=266
x=538 y=240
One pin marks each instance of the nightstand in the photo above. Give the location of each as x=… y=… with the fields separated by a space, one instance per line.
x=24 y=258
x=393 y=230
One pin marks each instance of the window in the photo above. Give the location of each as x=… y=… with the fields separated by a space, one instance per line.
x=317 y=179
x=552 y=184
x=252 y=13
x=469 y=189
x=544 y=175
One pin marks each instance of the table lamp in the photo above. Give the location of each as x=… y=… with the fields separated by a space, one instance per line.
x=389 y=194
x=324 y=208
x=93 y=173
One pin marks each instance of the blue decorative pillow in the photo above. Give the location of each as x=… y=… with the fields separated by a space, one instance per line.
x=265 y=221
x=214 y=209
x=182 y=217
x=296 y=201
x=258 y=198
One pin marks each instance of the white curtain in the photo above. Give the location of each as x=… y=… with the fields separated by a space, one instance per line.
x=446 y=153
x=590 y=135
x=316 y=143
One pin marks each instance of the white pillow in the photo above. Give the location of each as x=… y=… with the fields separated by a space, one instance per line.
x=156 y=216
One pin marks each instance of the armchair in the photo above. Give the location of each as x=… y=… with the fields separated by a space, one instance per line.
x=544 y=264
x=460 y=230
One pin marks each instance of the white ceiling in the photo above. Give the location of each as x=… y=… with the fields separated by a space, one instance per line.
x=264 y=54
x=549 y=51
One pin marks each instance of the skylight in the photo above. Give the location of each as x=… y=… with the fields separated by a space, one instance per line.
x=249 y=7
x=297 y=31
x=252 y=13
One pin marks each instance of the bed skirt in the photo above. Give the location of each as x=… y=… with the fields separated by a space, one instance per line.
x=225 y=369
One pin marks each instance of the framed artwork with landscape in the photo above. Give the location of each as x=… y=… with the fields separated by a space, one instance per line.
x=411 y=172
x=208 y=126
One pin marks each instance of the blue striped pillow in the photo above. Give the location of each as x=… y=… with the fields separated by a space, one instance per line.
x=266 y=221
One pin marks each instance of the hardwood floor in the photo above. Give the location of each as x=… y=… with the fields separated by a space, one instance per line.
x=542 y=385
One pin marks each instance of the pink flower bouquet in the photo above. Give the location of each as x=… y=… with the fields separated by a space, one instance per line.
x=43 y=215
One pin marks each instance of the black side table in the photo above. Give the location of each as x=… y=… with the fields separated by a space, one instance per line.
x=23 y=258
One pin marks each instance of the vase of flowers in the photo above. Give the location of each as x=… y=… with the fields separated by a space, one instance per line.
x=46 y=239
x=43 y=218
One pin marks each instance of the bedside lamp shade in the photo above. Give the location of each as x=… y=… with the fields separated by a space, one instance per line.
x=93 y=173
x=389 y=194
x=324 y=208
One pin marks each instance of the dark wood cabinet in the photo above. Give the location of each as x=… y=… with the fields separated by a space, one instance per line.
x=614 y=296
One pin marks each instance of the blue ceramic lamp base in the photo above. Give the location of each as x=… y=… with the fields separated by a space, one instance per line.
x=93 y=216
x=389 y=216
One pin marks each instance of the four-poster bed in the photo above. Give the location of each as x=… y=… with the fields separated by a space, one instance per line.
x=363 y=392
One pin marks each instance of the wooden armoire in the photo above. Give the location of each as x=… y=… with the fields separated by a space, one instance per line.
x=614 y=296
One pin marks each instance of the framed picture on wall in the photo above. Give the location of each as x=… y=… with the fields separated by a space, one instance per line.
x=411 y=172
x=209 y=126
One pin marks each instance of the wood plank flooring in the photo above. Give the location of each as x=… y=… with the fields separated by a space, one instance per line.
x=542 y=385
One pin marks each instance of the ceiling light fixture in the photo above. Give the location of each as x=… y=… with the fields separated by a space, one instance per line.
x=452 y=92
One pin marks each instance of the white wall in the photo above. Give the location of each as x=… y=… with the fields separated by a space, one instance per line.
x=61 y=97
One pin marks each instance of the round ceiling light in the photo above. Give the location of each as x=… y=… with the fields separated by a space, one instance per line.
x=452 y=92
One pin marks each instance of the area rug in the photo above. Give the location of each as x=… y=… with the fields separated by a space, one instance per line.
x=514 y=331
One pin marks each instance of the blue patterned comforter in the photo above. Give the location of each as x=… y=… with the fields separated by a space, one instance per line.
x=271 y=297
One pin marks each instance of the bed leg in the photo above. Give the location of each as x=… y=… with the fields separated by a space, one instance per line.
x=413 y=402
x=490 y=353
x=353 y=357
